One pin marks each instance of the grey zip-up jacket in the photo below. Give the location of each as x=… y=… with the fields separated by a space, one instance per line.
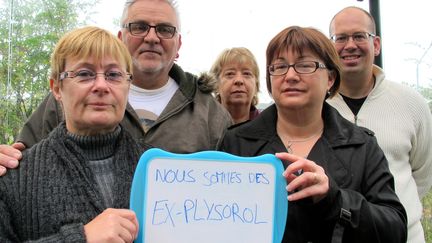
x=192 y=121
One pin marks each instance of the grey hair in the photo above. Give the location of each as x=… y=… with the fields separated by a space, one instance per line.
x=172 y=3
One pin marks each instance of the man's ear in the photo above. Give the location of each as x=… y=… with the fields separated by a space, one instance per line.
x=180 y=41
x=179 y=45
x=377 y=45
x=55 y=89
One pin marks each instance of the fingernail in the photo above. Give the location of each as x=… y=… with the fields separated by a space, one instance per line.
x=13 y=163
x=2 y=170
x=17 y=155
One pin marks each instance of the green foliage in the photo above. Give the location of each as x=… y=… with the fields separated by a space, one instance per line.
x=427 y=200
x=427 y=93
x=427 y=216
x=31 y=36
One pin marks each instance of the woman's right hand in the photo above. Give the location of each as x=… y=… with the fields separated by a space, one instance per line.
x=112 y=225
x=311 y=182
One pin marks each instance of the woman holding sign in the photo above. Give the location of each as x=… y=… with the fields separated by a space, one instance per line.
x=339 y=186
x=74 y=186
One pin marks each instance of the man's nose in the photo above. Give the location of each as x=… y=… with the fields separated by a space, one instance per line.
x=350 y=43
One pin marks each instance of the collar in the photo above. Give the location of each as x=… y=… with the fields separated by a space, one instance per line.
x=187 y=82
x=337 y=130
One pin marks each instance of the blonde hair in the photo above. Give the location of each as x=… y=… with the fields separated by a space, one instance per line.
x=88 y=42
x=240 y=55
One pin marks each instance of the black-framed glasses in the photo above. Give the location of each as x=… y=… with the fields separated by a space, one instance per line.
x=141 y=29
x=305 y=67
x=87 y=76
x=358 y=37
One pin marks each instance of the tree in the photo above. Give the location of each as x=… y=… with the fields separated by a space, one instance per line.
x=33 y=27
x=421 y=59
x=427 y=93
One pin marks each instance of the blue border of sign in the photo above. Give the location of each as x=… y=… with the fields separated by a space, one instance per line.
x=138 y=195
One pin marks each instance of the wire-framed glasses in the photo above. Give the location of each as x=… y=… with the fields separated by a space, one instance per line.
x=358 y=37
x=305 y=67
x=141 y=29
x=87 y=76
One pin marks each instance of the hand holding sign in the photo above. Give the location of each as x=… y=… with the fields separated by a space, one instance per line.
x=209 y=197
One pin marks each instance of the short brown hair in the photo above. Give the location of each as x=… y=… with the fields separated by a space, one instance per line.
x=238 y=55
x=299 y=39
x=85 y=42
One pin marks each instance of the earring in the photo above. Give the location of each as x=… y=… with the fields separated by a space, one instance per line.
x=328 y=93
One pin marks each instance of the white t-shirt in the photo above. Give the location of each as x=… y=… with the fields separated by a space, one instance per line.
x=149 y=104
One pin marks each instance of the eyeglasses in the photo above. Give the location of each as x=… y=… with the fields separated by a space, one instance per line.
x=163 y=31
x=306 y=67
x=87 y=76
x=358 y=37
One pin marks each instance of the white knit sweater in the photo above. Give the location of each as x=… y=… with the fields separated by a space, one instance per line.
x=402 y=122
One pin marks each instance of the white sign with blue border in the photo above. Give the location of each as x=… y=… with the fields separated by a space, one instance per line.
x=209 y=197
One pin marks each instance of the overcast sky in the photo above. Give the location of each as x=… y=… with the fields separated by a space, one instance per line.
x=209 y=26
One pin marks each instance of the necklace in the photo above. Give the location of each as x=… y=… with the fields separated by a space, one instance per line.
x=291 y=142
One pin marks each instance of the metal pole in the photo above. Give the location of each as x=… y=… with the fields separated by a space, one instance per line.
x=374 y=9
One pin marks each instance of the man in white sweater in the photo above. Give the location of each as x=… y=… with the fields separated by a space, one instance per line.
x=398 y=115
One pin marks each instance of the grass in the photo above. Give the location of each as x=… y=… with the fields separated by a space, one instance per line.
x=427 y=216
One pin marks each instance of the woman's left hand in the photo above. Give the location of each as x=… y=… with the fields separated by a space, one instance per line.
x=305 y=178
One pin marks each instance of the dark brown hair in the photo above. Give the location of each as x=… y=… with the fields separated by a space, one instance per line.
x=298 y=40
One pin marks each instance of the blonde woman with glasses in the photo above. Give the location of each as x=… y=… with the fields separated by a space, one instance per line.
x=74 y=185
